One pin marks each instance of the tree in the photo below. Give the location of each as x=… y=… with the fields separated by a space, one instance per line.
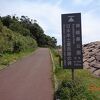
x=1 y=26
x=17 y=27
x=37 y=33
x=28 y=27
x=6 y=20
x=54 y=42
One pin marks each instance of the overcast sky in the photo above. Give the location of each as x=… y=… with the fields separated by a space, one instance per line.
x=48 y=14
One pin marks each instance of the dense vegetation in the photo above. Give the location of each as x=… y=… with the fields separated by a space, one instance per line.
x=84 y=87
x=18 y=35
x=27 y=28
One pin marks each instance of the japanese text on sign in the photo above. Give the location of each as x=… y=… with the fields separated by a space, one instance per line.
x=72 y=41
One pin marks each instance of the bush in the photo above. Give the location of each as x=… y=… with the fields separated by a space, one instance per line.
x=5 y=45
x=23 y=43
x=15 y=42
x=1 y=26
x=73 y=90
x=55 y=52
x=17 y=46
x=17 y=27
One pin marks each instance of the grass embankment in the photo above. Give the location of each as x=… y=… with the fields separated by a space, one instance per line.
x=9 y=58
x=88 y=85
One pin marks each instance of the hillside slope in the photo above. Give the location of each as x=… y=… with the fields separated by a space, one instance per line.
x=12 y=42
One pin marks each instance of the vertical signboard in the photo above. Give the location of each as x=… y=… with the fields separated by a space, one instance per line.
x=72 y=41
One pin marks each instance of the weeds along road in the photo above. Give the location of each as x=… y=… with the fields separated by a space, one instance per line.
x=28 y=79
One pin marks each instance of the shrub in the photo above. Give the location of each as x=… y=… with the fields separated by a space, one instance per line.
x=1 y=26
x=5 y=45
x=73 y=90
x=17 y=46
x=12 y=42
x=17 y=27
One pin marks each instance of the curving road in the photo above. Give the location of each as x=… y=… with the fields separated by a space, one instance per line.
x=28 y=79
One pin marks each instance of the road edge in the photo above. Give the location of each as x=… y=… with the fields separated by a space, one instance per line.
x=55 y=85
x=14 y=61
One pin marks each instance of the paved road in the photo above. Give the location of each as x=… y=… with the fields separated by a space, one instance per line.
x=28 y=79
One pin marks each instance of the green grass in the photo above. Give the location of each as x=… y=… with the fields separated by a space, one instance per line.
x=91 y=82
x=9 y=58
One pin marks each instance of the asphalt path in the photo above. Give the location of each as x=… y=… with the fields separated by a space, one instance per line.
x=28 y=78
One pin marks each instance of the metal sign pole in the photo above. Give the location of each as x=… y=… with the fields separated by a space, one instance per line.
x=72 y=74
x=72 y=79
